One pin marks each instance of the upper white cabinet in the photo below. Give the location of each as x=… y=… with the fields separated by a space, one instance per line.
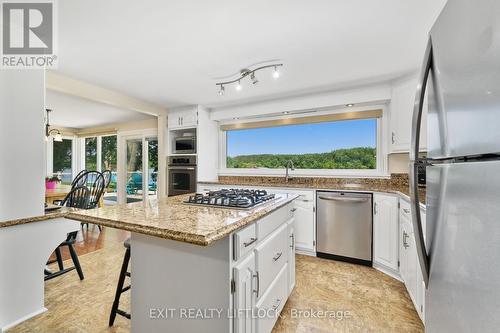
x=401 y=113
x=385 y=231
x=187 y=117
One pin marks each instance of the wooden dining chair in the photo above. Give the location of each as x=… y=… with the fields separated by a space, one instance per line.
x=96 y=185
x=77 y=198
x=80 y=179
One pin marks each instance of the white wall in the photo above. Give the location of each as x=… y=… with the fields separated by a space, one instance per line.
x=376 y=94
x=22 y=164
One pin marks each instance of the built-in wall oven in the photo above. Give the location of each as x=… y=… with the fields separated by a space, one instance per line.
x=181 y=174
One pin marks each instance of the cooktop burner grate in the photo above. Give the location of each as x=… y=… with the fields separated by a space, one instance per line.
x=231 y=198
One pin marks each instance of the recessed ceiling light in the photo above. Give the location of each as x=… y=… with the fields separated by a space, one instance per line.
x=286 y=112
x=349 y=105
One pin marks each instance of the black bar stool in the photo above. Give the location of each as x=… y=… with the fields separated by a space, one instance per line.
x=119 y=288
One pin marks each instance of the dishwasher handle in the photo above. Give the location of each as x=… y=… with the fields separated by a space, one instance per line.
x=343 y=199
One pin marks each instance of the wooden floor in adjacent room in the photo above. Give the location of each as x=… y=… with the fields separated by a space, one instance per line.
x=361 y=298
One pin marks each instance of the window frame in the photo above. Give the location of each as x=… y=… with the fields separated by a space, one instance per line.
x=74 y=155
x=381 y=158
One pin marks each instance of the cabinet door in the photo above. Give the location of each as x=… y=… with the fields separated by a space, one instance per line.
x=385 y=230
x=305 y=234
x=291 y=256
x=411 y=276
x=244 y=298
x=174 y=120
x=189 y=118
x=402 y=101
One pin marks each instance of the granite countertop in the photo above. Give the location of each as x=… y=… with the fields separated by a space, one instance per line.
x=170 y=218
x=397 y=183
x=62 y=212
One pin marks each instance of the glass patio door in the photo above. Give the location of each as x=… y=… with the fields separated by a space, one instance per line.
x=141 y=168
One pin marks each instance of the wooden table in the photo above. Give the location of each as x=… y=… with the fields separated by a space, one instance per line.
x=59 y=193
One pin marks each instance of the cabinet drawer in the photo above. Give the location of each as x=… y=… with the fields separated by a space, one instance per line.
x=273 y=300
x=244 y=241
x=269 y=223
x=271 y=256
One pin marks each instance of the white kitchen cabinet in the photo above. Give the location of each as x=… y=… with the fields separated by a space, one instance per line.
x=305 y=226
x=385 y=231
x=409 y=265
x=401 y=113
x=291 y=255
x=183 y=118
x=244 y=297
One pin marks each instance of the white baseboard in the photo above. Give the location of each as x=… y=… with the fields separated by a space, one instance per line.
x=20 y=320
x=387 y=271
x=305 y=252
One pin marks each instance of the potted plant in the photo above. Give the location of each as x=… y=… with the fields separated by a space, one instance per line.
x=51 y=182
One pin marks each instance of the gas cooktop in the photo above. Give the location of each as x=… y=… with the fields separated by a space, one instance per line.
x=230 y=198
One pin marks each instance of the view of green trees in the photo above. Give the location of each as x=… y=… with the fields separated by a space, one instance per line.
x=352 y=158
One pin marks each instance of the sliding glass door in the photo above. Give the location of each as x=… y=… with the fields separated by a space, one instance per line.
x=141 y=168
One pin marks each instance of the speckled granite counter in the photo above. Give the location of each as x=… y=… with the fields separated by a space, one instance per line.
x=170 y=218
x=47 y=216
x=397 y=183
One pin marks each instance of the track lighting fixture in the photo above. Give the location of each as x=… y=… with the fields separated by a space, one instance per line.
x=248 y=72
x=253 y=78
x=221 y=90
x=276 y=73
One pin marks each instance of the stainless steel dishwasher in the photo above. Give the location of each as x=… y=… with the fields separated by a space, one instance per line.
x=344 y=226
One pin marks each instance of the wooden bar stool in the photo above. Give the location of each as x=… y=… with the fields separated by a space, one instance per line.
x=119 y=288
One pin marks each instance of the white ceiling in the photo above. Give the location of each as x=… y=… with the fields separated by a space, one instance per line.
x=170 y=52
x=75 y=112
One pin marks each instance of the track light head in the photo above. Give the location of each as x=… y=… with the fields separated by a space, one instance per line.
x=222 y=90
x=276 y=73
x=238 y=86
x=253 y=78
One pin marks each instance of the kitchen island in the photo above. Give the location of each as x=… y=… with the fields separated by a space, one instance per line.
x=205 y=269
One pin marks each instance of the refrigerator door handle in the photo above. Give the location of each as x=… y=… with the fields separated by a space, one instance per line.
x=423 y=258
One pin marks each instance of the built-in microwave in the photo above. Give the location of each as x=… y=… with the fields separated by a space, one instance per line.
x=185 y=145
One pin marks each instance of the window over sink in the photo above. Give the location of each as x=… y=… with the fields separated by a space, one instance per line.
x=331 y=144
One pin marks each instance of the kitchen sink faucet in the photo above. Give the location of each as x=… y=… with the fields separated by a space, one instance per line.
x=289 y=165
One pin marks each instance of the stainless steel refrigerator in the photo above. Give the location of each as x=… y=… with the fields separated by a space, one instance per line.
x=460 y=253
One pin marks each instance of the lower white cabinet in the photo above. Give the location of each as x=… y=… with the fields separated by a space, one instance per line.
x=291 y=255
x=244 y=275
x=263 y=277
x=385 y=231
x=409 y=269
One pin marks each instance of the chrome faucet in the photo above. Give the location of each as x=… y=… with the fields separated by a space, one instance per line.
x=289 y=165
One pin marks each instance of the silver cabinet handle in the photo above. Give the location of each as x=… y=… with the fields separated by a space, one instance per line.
x=256 y=291
x=277 y=305
x=423 y=258
x=405 y=244
x=252 y=240
x=343 y=199
x=278 y=255
x=292 y=236
x=375 y=208
x=406 y=210
x=293 y=210
x=393 y=137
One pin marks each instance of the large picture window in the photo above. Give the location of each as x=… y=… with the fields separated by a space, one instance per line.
x=62 y=157
x=330 y=145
